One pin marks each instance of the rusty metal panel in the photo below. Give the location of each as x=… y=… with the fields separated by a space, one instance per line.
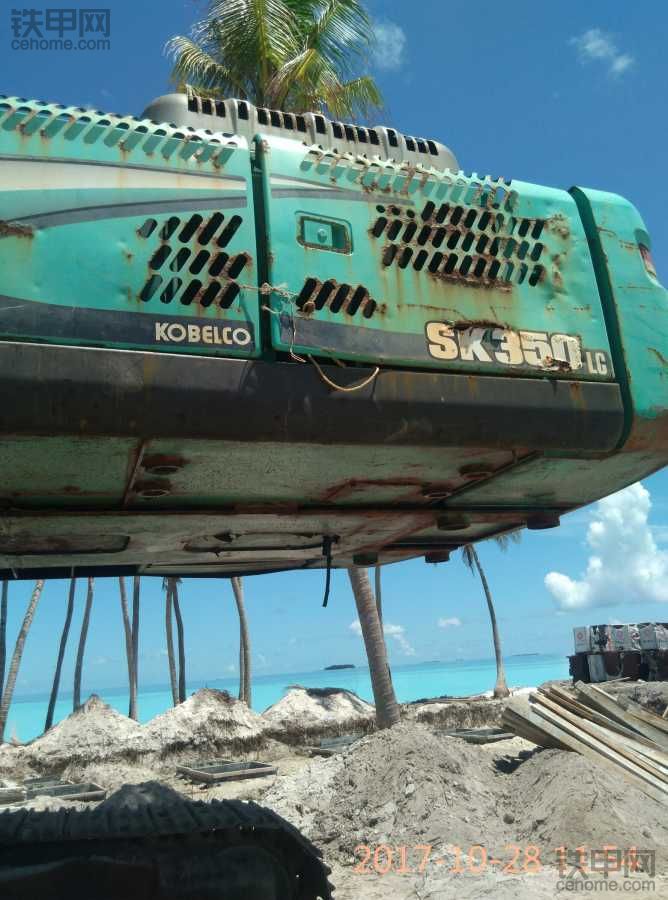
x=118 y=232
x=411 y=266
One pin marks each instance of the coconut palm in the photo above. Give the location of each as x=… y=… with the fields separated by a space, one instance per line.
x=127 y=628
x=3 y=634
x=61 y=654
x=472 y=561
x=297 y=55
x=136 y=585
x=76 y=696
x=387 y=708
x=179 y=634
x=16 y=658
x=169 y=607
x=379 y=596
x=244 y=643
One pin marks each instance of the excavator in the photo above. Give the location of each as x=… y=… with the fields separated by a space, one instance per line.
x=236 y=340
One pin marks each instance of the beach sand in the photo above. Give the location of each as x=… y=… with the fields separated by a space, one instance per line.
x=390 y=792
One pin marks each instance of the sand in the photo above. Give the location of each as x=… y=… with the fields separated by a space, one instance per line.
x=307 y=713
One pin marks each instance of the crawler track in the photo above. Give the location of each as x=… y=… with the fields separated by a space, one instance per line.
x=141 y=846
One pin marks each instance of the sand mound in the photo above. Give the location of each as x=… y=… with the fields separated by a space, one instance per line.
x=564 y=799
x=481 y=712
x=402 y=786
x=407 y=786
x=206 y=722
x=308 y=712
x=95 y=731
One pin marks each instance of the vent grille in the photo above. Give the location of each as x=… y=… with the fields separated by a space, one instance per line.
x=336 y=298
x=190 y=264
x=478 y=245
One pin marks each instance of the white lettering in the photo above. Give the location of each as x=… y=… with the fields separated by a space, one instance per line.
x=601 y=363
x=440 y=341
x=226 y=336
x=161 y=331
x=193 y=334
x=207 y=334
x=241 y=336
x=176 y=332
x=470 y=345
x=510 y=351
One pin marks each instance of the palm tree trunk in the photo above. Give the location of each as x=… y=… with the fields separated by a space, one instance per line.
x=3 y=635
x=387 y=708
x=501 y=687
x=16 y=658
x=61 y=655
x=136 y=584
x=379 y=598
x=76 y=698
x=170 y=642
x=244 y=643
x=182 y=649
x=127 y=628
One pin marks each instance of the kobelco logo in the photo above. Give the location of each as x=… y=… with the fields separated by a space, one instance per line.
x=176 y=333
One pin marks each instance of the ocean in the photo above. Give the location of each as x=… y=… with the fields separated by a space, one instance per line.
x=411 y=682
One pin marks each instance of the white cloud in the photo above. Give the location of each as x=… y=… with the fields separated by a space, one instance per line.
x=396 y=632
x=390 y=44
x=454 y=622
x=598 y=46
x=626 y=565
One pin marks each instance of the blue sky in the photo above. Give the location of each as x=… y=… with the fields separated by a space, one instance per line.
x=558 y=99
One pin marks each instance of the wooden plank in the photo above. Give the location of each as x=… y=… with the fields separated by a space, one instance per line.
x=610 y=707
x=565 y=699
x=645 y=715
x=593 y=749
x=619 y=744
x=517 y=722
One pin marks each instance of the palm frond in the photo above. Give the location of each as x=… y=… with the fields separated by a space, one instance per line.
x=503 y=541
x=468 y=557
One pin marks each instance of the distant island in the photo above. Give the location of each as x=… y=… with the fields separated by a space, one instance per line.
x=339 y=666
x=520 y=655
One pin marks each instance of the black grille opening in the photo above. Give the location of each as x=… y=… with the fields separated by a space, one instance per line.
x=428 y=210
x=308 y=288
x=242 y=109
x=411 y=228
x=262 y=117
x=147 y=229
x=218 y=264
x=450 y=264
x=171 y=290
x=340 y=298
x=288 y=122
x=537 y=229
x=207 y=106
x=275 y=118
x=493 y=271
x=410 y=143
x=191 y=292
x=211 y=227
x=536 y=251
x=536 y=275
x=433 y=149
x=190 y=228
x=369 y=308
x=457 y=213
x=229 y=295
x=392 y=137
x=361 y=136
x=379 y=226
x=160 y=256
x=358 y=296
x=442 y=213
x=220 y=108
x=422 y=147
x=420 y=260
x=180 y=259
x=150 y=287
x=209 y=294
x=435 y=261
x=405 y=257
x=479 y=268
x=169 y=228
x=229 y=231
x=467 y=243
x=394 y=229
x=320 y=126
x=373 y=138
x=389 y=253
x=199 y=262
x=424 y=235
x=337 y=129
x=301 y=123
x=323 y=294
x=237 y=265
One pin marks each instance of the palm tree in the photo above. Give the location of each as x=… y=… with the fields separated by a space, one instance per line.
x=127 y=628
x=61 y=654
x=244 y=643
x=135 y=633
x=16 y=658
x=378 y=592
x=3 y=634
x=76 y=697
x=167 y=587
x=297 y=55
x=472 y=560
x=180 y=638
x=387 y=708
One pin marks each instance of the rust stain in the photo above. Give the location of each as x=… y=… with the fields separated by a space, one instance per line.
x=16 y=229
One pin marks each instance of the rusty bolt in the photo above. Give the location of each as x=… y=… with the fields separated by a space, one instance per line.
x=162 y=465
x=151 y=489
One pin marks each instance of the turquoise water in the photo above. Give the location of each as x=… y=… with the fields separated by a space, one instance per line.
x=459 y=678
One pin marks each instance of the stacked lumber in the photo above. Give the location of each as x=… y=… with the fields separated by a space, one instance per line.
x=617 y=733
